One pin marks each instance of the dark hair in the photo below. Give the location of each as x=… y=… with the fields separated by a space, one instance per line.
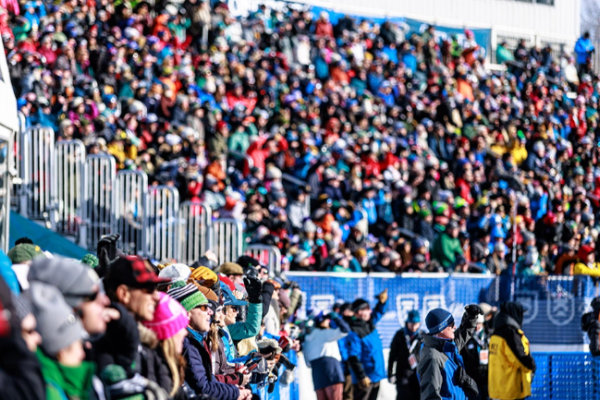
x=23 y=240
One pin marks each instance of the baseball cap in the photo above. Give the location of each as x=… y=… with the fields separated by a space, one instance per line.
x=132 y=271
x=229 y=298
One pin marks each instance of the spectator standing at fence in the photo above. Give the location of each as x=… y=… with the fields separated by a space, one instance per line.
x=475 y=355
x=584 y=48
x=322 y=354
x=590 y=324
x=404 y=358
x=441 y=370
x=365 y=351
x=511 y=365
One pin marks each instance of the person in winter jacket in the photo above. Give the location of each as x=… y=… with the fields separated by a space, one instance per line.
x=511 y=366
x=475 y=355
x=198 y=373
x=169 y=327
x=404 y=358
x=364 y=348
x=20 y=374
x=441 y=370
x=130 y=284
x=447 y=246
x=590 y=324
x=583 y=49
x=251 y=326
x=61 y=353
x=322 y=354
x=586 y=263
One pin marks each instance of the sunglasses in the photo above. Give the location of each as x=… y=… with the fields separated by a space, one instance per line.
x=86 y=297
x=203 y=307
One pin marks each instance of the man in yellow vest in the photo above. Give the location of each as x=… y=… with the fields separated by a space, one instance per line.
x=511 y=365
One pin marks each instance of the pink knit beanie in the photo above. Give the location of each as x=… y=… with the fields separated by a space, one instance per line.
x=169 y=318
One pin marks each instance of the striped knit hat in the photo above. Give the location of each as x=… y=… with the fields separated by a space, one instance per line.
x=188 y=295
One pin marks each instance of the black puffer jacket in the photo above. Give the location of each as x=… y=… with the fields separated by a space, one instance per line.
x=120 y=343
x=590 y=324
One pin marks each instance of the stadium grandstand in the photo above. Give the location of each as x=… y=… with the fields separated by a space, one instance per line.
x=406 y=156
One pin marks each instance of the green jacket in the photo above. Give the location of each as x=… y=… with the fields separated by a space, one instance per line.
x=64 y=382
x=239 y=141
x=503 y=54
x=445 y=250
x=250 y=327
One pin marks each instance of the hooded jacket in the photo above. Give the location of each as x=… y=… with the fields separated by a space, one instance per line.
x=441 y=361
x=364 y=348
x=510 y=363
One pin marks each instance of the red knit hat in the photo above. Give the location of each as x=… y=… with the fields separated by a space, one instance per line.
x=584 y=251
x=169 y=317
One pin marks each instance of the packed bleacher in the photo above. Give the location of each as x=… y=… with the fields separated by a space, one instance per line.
x=412 y=155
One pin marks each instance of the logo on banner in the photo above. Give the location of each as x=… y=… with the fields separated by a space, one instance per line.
x=529 y=300
x=432 y=301
x=404 y=304
x=323 y=302
x=560 y=308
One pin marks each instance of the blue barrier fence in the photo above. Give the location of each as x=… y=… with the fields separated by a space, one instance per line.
x=566 y=376
x=555 y=303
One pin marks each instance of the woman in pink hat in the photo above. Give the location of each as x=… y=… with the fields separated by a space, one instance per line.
x=162 y=360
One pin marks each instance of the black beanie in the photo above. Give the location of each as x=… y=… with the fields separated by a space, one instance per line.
x=359 y=304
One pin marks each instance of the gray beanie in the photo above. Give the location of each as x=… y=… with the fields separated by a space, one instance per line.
x=74 y=279
x=56 y=322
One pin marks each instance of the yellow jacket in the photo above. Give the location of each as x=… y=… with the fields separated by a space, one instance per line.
x=510 y=365
x=583 y=269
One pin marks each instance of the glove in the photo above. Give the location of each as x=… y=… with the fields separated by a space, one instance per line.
x=473 y=310
x=253 y=287
x=107 y=252
x=392 y=380
x=364 y=383
x=110 y=243
x=467 y=383
x=251 y=272
x=383 y=296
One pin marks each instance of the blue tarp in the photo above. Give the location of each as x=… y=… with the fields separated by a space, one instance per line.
x=45 y=238
x=482 y=36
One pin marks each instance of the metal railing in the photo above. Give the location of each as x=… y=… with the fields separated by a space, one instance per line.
x=130 y=211
x=195 y=231
x=70 y=194
x=269 y=256
x=162 y=224
x=228 y=239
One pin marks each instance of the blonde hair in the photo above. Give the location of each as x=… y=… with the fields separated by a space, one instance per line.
x=213 y=337
x=175 y=362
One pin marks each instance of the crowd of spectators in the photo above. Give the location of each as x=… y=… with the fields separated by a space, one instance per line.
x=416 y=157
x=118 y=327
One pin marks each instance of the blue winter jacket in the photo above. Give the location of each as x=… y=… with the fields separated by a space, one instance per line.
x=440 y=360
x=364 y=348
x=582 y=49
